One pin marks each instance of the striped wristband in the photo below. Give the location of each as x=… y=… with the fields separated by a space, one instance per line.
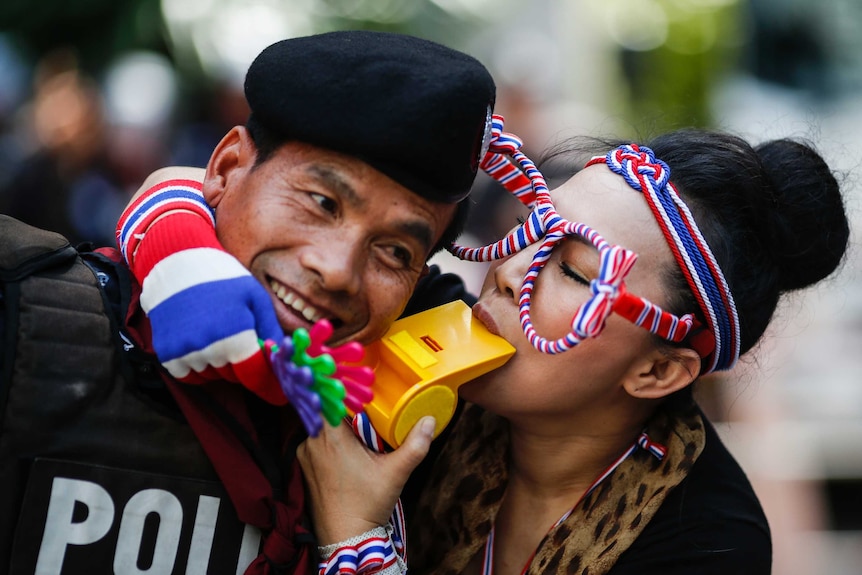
x=371 y=552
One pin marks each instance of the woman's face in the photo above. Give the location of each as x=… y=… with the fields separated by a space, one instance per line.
x=591 y=374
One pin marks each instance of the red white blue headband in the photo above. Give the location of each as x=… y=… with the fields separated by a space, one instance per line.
x=638 y=165
x=651 y=176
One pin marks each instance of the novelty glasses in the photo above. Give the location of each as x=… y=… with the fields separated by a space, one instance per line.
x=638 y=165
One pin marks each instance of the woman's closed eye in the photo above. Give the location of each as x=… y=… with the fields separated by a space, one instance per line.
x=568 y=272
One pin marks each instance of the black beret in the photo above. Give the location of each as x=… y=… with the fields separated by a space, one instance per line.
x=413 y=109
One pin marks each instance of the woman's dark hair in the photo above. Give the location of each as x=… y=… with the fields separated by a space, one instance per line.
x=267 y=142
x=773 y=215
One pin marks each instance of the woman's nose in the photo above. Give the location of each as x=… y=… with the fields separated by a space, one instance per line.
x=509 y=272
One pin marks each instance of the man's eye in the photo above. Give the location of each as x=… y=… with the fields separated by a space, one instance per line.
x=398 y=256
x=325 y=202
x=403 y=255
x=572 y=274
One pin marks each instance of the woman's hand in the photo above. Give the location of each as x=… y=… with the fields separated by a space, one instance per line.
x=353 y=489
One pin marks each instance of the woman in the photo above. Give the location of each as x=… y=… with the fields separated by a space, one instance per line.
x=586 y=453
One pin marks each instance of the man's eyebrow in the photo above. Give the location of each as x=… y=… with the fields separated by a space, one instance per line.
x=421 y=231
x=418 y=229
x=334 y=180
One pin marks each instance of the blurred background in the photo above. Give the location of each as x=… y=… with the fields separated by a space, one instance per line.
x=95 y=94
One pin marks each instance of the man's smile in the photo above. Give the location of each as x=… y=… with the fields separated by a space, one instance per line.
x=295 y=302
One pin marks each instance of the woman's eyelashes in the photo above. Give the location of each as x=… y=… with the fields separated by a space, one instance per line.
x=568 y=272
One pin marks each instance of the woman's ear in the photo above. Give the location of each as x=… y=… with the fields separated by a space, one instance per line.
x=232 y=158
x=664 y=373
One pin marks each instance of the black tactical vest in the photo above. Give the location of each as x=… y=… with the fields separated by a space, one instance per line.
x=97 y=472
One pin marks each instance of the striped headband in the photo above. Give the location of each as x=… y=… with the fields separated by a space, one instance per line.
x=506 y=163
x=651 y=176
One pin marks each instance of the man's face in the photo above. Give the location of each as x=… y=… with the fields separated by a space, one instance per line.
x=326 y=234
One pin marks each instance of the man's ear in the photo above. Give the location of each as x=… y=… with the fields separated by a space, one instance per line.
x=663 y=373
x=233 y=157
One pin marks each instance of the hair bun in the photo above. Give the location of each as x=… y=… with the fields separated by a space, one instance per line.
x=809 y=227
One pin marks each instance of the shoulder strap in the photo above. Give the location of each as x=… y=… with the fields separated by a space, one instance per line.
x=24 y=250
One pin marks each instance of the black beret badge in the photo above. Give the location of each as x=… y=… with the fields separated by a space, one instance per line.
x=485 y=144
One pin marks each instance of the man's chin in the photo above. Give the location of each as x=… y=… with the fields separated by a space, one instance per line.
x=341 y=337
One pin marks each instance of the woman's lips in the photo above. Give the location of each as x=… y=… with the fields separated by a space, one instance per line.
x=484 y=316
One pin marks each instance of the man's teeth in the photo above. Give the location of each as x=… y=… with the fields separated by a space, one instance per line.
x=296 y=302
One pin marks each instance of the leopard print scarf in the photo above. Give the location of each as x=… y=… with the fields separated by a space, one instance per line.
x=459 y=504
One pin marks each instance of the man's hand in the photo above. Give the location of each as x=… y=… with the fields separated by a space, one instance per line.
x=207 y=312
x=353 y=489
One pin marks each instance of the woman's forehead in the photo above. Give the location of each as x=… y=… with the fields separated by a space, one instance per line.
x=604 y=201
x=591 y=182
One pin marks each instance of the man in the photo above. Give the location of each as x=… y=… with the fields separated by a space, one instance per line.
x=348 y=174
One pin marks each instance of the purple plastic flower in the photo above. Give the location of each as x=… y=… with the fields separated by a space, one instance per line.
x=296 y=383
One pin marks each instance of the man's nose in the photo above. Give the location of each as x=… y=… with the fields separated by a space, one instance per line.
x=337 y=262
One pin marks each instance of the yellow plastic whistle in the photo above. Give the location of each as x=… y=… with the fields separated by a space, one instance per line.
x=420 y=363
